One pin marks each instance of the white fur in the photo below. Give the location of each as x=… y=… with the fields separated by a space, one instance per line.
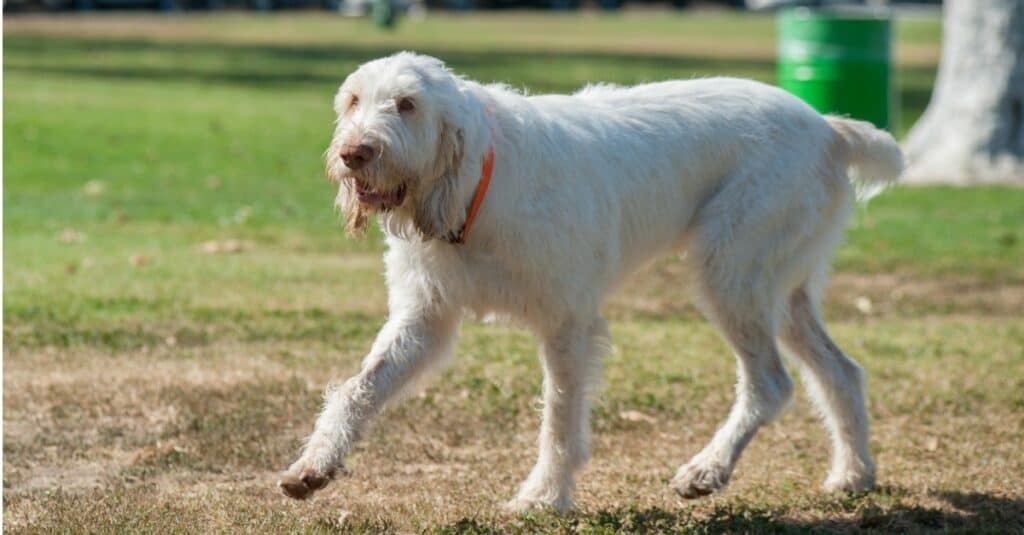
x=744 y=180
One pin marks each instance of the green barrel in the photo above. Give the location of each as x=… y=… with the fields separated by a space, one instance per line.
x=383 y=13
x=839 y=61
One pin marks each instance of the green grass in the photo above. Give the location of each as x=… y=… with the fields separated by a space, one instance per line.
x=154 y=387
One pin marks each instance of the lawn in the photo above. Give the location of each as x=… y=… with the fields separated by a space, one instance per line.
x=178 y=292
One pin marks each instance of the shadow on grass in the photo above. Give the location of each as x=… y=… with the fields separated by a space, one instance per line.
x=963 y=513
x=142 y=508
x=283 y=65
x=321 y=68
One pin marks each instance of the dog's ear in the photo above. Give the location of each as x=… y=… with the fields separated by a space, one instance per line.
x=440 y=213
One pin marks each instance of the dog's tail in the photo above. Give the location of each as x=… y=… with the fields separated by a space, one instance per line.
x=874 y=159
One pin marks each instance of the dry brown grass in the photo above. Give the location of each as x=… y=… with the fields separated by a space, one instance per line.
x=189 y=439
x=657 y=291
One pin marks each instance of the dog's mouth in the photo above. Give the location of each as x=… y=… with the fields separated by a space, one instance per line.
x=380 y=200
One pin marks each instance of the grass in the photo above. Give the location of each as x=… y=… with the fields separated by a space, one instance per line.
x=150 y=386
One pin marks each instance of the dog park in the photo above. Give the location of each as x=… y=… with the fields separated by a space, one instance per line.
x=180 y=291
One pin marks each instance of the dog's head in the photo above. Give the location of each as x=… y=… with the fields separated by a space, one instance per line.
x=398 y=145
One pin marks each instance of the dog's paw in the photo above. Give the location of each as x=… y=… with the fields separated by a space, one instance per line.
x=850 y=481
x=301 y=481
x=534 y=495
x=523 y=504
x=698 y=478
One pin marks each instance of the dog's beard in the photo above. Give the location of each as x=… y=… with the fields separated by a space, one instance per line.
x=355 y=214
x=383 y=185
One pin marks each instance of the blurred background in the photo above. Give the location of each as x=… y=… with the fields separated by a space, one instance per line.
x=362 y=7
x=178 y=289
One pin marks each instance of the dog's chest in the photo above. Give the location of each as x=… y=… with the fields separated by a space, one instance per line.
x=484 y=282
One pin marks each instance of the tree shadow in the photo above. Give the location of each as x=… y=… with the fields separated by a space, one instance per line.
x=322 y=67
x=282 y=65
x=876 y=512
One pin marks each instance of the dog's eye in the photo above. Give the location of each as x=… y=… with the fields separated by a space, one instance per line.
x=406 y=105
x=354 y=102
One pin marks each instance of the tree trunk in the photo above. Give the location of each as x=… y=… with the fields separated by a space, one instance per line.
x=973 y=129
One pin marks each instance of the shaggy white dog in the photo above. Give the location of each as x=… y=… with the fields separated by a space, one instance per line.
x=748 y=183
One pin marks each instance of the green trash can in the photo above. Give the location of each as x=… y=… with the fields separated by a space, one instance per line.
x=383 y=13
x=839 y=61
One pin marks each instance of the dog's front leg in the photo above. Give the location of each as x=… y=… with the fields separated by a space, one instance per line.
x=571 y=356
x=405 y=349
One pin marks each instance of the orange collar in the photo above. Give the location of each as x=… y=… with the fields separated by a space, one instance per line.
x=478 y=196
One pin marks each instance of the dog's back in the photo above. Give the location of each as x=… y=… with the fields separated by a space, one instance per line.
x=682 y=159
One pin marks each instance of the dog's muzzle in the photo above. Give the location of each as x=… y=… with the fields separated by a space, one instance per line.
x=357 y=156
x=380 y=200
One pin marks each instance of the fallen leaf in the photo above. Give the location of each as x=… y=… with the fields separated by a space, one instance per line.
x=71 y=236
x=223 y=246
x=138 y=260
x=636 y=416
x=863 y=305
x=93 y=188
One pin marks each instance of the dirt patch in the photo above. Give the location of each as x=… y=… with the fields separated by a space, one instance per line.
x=89 y=420
x=895 y=294
x=660 y=289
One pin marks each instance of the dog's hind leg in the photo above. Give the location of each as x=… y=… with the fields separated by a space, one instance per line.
x=836 y=385
x=762 y=391
x=405 y=350
x=571 y=356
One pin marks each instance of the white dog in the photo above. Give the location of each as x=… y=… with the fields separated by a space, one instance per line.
x=567 y=195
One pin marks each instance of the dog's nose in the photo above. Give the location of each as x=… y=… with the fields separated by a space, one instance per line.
x=356 y=156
